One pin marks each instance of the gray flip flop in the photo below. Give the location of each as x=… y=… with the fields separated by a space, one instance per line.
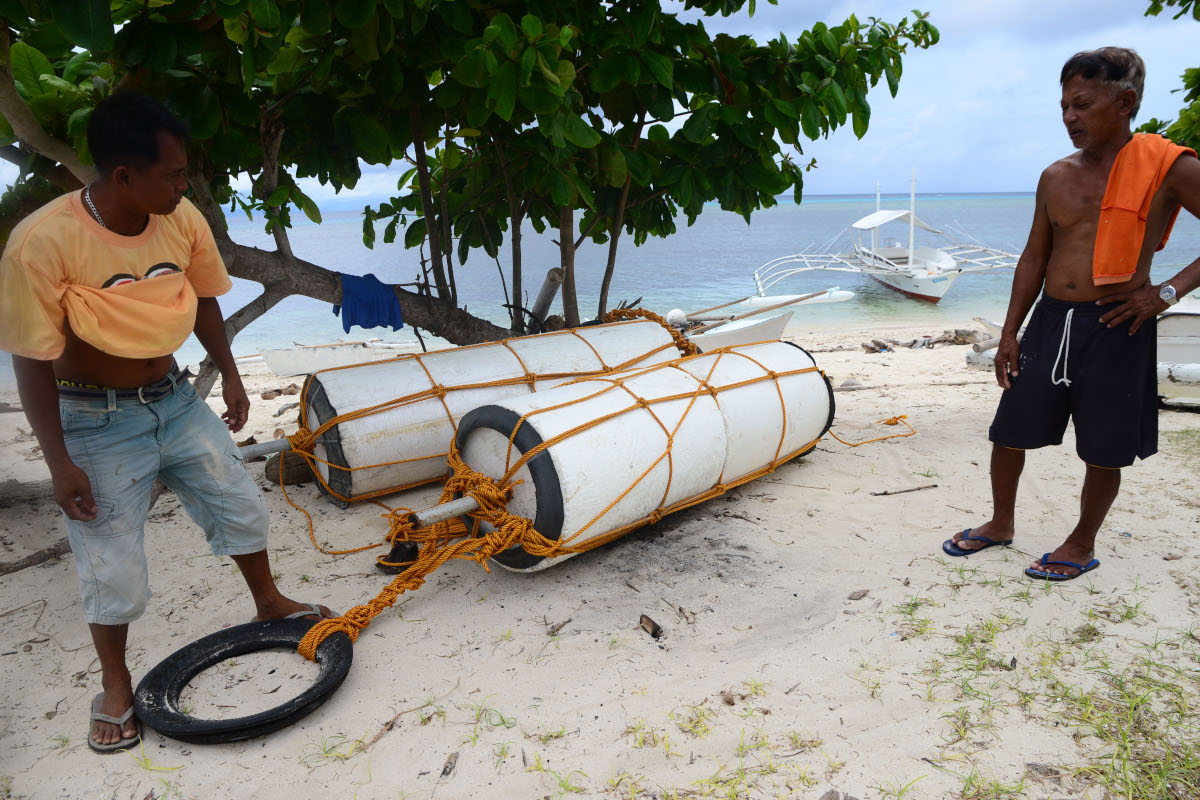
x=124 y=743
x=313 y=610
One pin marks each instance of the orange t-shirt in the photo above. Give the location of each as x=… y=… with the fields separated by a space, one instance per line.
x=129 y=296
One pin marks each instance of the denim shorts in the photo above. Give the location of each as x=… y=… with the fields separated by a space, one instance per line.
x=123 y=445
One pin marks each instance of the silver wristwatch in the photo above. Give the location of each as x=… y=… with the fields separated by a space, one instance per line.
x=1167 y=294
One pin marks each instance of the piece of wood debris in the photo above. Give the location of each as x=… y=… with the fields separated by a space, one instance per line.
x=554 y=629
x=650 y=626
x=858 y=594
x=902 y=491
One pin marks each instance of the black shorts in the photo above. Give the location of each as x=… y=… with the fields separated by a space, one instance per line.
x=1102 y=378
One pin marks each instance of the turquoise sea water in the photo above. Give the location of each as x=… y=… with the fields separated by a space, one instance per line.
x=708 y=263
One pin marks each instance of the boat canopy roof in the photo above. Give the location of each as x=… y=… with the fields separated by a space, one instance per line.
x=884 y=216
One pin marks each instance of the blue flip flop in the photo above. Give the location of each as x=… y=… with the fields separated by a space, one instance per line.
x=951 y=548
x=1051 y=576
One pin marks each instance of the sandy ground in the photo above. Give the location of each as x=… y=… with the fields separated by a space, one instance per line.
x=815 y=637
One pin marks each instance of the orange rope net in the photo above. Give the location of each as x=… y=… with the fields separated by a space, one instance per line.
x=448 y=540
x=304 y=441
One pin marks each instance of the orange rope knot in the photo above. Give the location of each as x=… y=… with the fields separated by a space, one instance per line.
x=681 y=341
x=303 y=440
x=901 y=419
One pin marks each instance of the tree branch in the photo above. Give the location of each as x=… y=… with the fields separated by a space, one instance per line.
x=25 y=125
x=59 y=175
x=270 y=130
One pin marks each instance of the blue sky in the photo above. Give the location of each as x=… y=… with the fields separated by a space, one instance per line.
x=976 y=113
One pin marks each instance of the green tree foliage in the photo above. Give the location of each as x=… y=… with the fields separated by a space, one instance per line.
x=1185 y=129
x=564 y=113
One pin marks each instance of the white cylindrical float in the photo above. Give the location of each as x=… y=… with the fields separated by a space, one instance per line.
x=725 y=418
x=419 y=398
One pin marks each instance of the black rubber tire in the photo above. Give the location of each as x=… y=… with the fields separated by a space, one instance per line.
x=548 y=519
x=156 y=701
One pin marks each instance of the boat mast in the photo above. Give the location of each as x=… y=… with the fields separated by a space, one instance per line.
x=875 y=230
x=912 y=216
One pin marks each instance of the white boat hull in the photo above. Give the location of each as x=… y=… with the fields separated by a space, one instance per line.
x=746 y=331
x=289 y=361
x=1179 y=384
x=931 y=286
x=832 y=296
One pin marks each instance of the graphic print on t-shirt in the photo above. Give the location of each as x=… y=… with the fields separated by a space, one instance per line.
x=122 y=278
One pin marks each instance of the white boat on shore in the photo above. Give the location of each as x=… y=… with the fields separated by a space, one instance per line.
x=922 y=272
x=307 y=359
x=1178 y=353
x=746 y=331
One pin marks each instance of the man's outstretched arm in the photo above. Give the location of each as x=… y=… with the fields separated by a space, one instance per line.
x=210 y=330
x=39 y=398
x=1028 y=279
x=1183 y=186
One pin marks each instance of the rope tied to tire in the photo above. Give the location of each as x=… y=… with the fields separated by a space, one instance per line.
x=452 y=539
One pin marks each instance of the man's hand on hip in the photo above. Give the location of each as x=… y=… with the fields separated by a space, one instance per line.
x=73 y=491
x=1139 y=305
x=237 y=404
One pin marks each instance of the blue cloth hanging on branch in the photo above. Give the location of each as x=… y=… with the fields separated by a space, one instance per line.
x=368 y=303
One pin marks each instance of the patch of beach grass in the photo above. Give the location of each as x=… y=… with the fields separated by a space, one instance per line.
x=1185 y=445
x=331 y=750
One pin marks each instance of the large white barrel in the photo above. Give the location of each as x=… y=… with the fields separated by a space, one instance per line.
x=636 y=444
x=423 y=395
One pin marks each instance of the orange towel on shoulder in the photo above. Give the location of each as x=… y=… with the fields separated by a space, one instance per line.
x=1136 y=175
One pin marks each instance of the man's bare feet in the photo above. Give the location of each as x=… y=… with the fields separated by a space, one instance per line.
x=283 y=606
x=988 y=530
x=1066 y=552
x=118 y=697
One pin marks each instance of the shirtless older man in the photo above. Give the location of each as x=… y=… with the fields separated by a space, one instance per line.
x=1089 y=351
x=97 y=290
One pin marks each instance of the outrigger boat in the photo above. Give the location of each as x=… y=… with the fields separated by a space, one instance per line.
x=922 y=272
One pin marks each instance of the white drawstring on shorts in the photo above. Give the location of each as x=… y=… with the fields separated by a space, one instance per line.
x=1064 y=352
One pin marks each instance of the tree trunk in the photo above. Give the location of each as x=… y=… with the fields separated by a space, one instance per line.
x=514 y=235
x=613 y=239
x=566 y=249
x=618 y=223
x=432 y=229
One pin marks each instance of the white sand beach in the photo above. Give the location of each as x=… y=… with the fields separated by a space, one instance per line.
x=815 y=637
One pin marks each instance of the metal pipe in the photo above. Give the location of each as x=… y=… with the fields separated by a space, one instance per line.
x=264 y=448
x=432 y=516
x=541 y=306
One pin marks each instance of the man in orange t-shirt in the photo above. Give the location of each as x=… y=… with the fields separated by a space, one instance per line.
x=98 y=288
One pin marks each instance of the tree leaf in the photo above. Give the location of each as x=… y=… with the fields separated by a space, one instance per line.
x=265 y=14
x=531 y=25
x=364 y=39
x=565 y=72
x=503 y=90
x=415 y=233
x=578 y=132
x=27 y=64
x=55 y=83
x=838 y=98
x=502 y=28
x=471 y=70
x=354 y=13
x=7 y=136
x=78 y=121
x=613 y=168
x=861 y=119
x=892 y=81
x=659 y=66
x=316 y=17
x=305 y=204
x=87 y=22
x=74 y=65
x=810 y=120
x=607 y=74
x=700 y=124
